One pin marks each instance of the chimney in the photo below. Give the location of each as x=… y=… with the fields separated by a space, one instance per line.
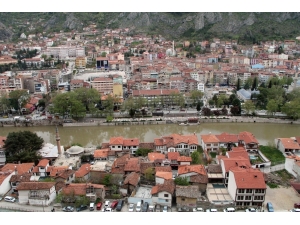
x=16 y=171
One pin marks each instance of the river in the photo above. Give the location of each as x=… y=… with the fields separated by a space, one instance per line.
x=94 y=136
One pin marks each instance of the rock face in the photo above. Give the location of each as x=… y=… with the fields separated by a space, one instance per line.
x=5 y=33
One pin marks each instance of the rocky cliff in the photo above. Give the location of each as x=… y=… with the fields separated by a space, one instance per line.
x=5 y=33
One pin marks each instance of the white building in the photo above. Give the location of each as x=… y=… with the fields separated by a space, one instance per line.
x=36 y=193
x=201 y=87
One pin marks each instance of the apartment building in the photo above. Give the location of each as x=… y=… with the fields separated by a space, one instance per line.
x=103 y=85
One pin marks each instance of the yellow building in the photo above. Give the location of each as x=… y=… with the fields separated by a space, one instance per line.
x=118 y=90
x=80 y=62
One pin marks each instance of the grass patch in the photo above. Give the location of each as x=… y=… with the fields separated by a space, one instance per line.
x=272 y=185
x=273 y=154
x=284 y=174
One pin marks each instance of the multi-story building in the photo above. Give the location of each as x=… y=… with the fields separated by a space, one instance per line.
x=104 y=85
x=2 y=151
x=247 y=187
x=80 y=62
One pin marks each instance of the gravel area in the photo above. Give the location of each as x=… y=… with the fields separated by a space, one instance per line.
x=282 y=198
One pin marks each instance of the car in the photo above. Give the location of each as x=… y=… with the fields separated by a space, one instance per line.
x=230 y=209
x=295 y=210
x=297 y=205
x=138 y=207
x=108 y=210
x=81 y=208
x=270 y=207
x=157 y=208
x=151 y=208
x=99 y=205
x=120 y=205
x=131 y=208
x=211 y=210
x=165 y=209
x=145 y=207
x=68 y=209
x=9 y=199
x=114 y=204
x=106 y=204
x=250 y=210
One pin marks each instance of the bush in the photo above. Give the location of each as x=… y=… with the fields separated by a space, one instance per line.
x=272 y=185
x=213 y=154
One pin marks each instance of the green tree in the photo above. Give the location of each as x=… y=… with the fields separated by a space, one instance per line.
x=4 y=103
x=249 y=107
x=238 y=84
x=182 y=181
x=272 y=107
x=292 y=109
x=195 y=157
x=22 y=146
x=196 y=96
x=143 y=152
x=19 y=98
x=103 y=54
x=88 y=96
x=107 y=180
x=149 y=174
x=254 y=84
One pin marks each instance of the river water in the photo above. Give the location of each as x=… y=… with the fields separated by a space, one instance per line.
x=94 y=136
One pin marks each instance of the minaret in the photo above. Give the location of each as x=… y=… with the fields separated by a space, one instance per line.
x=173 y=53
x=58 y=142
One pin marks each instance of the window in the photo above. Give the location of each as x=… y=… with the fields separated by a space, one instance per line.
x=166 y=195
x=241 y=191
x=167 y=200
x=259 y=191
x=185 y=146
x=182 y=199
x=113 y=146
x=240 y=198
x=248 y=197
x=119 y=146
x=249 y=191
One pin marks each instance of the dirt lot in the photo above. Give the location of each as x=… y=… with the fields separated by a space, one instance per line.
x=282 y=198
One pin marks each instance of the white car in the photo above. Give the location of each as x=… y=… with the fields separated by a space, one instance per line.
x=106 y=204
x=9 y=199
x=131 y=208
x=165 y=208
x=108 y=210
x=295 y=210
x=250 y=210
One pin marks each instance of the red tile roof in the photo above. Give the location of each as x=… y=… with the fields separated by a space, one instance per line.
x=238 y=149
x=184 y=159
x=173 y=155
x=236 y=162
x=164 y=175
x=226 y=138
x=116 y=141
x=43 y=163
x=131 y=142
x=289 y=143
x=249 y=178
x=209 y=138
x=35 y=185
x=101 y=153
x=132 y=179
x=152 y=156
x=184 y=169
x=167 y=186
x=21 y=168
x=83 y=170
x=235 y=154
x=132 y=165
x=247 y=137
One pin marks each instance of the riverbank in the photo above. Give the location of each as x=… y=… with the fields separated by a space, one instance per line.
x=150 y=121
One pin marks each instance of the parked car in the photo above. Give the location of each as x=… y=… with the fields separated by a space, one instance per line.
x=250 y=210
x=108 y=210
x=211 y=210
x=106 y=204
x=157 y=208
x=119 y=205
x=297 y=205
x=99 y=205
x=92 y=206
x=114 y=204
x=138 y=207
x=9 y=199
x=151 y=208
x=295 y=210
x=68 y=209
x=270 y=207
x=145 y=207
x=230 y=209
x=200 y=210
x=165 y=209
x=81 y=208
x=131 y=208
